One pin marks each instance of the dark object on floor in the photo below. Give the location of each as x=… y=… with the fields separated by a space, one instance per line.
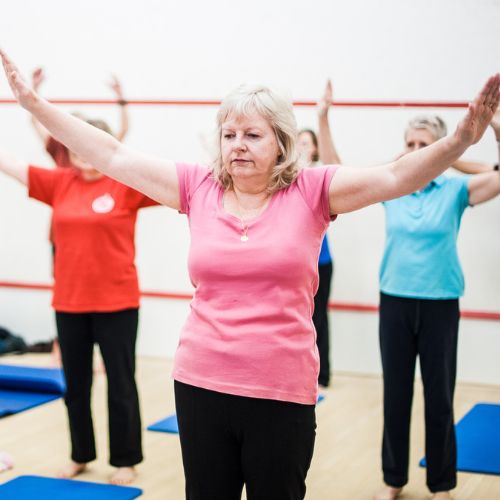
x=41 y=346
x=10 y=343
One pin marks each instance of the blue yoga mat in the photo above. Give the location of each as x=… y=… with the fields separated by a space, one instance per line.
x=38 y=488
x=170 y=425
x=478 y=440
x=17 y=401
x=48 y=380
x=22 y=388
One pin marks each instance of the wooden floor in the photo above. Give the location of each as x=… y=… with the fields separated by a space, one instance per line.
x=346 y=463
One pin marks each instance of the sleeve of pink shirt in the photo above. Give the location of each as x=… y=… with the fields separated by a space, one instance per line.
x=190 y=177
x=313 y=184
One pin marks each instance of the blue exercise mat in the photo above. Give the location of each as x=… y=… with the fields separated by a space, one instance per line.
x=478 y=440
x=17 y=401
x=22 y=388
x=170 y=425
x=38 y=488
x=48 y=380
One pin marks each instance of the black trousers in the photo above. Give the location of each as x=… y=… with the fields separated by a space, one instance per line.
x=429 y=329
x=228 y=441
x=116 y=334
x=320 y=320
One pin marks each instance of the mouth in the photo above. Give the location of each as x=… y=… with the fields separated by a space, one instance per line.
x=240 y=161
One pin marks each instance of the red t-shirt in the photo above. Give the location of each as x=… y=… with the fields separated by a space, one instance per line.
x=59 y=152
x=94 y=230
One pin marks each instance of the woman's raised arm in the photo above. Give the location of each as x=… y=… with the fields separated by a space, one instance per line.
x=155 y=177
x=355 y=188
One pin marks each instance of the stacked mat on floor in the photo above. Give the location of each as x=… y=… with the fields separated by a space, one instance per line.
x=22 y=388
x=478 y=440
x=37 y=488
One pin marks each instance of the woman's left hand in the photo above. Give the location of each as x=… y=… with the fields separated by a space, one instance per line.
x=326 y=100
x=480 y=113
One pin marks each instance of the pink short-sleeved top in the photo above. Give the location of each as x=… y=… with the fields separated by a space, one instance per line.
x=250 y=330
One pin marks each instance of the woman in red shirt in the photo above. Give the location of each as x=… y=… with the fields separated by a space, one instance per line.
x=96 y=299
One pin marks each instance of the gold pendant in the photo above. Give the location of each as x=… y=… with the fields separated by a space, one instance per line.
x=244 y=237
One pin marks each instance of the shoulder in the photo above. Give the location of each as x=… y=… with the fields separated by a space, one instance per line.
x=193 y=174
x=455 y=184
x=453 y=180
x=50 y=172
x=316 y=176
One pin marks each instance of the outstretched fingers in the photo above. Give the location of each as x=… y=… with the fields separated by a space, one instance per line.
x=21 y=90
x=328 y=96
x=490 y=93
x=8 y=65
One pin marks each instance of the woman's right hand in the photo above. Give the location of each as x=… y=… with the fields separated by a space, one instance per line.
x=480 y=113
x=23 y=93
x=495 y=123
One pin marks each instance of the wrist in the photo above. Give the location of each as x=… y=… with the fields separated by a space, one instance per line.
x=122 y=102
x=456 y=145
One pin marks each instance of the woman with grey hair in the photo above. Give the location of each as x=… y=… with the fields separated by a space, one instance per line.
x=421 y=281
x=246 y=366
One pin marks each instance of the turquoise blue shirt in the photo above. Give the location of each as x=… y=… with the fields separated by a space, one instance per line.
x=420 y=258
x=324 y=255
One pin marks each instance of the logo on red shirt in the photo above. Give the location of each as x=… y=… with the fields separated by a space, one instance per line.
x=104 y=204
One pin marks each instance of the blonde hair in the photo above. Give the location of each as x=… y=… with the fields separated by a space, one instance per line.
x=100 y=124
x=278 y=111
x=432 y=123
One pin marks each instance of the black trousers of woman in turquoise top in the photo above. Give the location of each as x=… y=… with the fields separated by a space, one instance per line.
x=428 y=329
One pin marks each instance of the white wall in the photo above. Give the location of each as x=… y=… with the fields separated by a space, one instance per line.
x=386 y=50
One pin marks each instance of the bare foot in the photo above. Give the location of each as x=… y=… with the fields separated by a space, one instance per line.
x=441 y=495
x=55 y=355
x=388 y=493
x=123 y=475
x=71 y=470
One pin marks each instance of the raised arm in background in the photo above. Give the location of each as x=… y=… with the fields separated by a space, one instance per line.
x=13 y=167
x=475 y=167
x=354 y=188
x=326 y=148
x=116 y=86
x=37 y=78
x=155 y=177
x=486 y=186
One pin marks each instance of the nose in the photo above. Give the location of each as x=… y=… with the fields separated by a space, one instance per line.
x=239 y=143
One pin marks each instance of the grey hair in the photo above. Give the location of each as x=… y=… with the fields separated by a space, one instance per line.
x=278 y=111
x=432 y=123
x=100 y=124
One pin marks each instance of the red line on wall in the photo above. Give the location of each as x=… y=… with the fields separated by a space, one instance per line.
x=335 y=306
x=215 y=102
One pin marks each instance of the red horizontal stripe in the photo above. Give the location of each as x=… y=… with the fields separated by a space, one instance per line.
x=215 y=102
x=337 y=306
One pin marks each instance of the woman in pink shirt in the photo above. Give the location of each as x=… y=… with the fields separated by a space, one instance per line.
x=247 y=364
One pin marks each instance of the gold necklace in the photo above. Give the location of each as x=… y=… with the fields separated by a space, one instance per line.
x=244 y=225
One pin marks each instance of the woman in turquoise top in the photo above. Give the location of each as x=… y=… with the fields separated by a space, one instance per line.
x=315 y=150
x=421 y=281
